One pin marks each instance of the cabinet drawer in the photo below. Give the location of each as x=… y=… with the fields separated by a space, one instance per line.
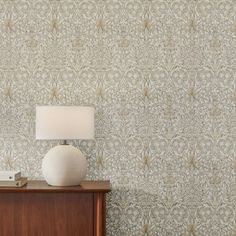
x=41 y=214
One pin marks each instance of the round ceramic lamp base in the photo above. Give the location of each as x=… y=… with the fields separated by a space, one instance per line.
x=64 y=165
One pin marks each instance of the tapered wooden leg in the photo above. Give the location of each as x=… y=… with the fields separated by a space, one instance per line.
x=99 y=214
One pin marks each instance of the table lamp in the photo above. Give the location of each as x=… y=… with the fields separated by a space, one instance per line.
x=64 y=165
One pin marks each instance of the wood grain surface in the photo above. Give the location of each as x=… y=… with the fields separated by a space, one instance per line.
x=42 y=210
x=42 y=186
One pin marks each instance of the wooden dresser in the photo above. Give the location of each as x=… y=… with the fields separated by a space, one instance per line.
x=41 y=210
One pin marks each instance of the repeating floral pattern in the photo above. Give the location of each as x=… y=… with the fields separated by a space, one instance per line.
x=162 y=77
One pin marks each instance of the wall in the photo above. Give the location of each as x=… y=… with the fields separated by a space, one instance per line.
x=161 y=75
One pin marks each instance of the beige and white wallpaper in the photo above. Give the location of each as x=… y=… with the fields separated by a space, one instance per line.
x=162 y=77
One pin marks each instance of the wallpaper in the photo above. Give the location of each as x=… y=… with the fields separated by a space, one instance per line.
x=161 y=75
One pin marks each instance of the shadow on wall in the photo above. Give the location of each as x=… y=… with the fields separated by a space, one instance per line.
x=146 y=211
x=134 y=212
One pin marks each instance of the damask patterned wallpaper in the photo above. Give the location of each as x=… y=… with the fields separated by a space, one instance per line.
x=161 y=75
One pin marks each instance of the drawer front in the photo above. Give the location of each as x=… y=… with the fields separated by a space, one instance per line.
x=41 y=214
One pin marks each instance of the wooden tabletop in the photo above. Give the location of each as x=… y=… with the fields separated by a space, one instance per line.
x=39 y=186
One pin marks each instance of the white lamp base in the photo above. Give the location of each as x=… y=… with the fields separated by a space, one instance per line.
x=64 y=165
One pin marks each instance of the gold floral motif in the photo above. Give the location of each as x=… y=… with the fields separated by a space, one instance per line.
x=100 y=161
x=9 y=25
x=192 y=162
x=192 y=230
x=55 y=93
x=147 y=24
x=8 y=92
x=100 y=24
x=145 y=229
x=193 y=25
x=146 y=92
x=54 y=25
x=100 y=92
x=161 y=76
x=146 y=160
x=8 y=161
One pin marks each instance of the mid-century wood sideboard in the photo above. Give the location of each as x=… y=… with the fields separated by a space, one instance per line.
x=41 y=210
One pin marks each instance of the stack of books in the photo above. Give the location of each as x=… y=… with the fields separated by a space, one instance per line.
x=12 y=179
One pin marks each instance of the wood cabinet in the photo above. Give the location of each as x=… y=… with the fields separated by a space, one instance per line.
x=41 y=210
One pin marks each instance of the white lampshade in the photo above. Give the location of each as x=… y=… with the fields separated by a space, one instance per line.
x=64 y=122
